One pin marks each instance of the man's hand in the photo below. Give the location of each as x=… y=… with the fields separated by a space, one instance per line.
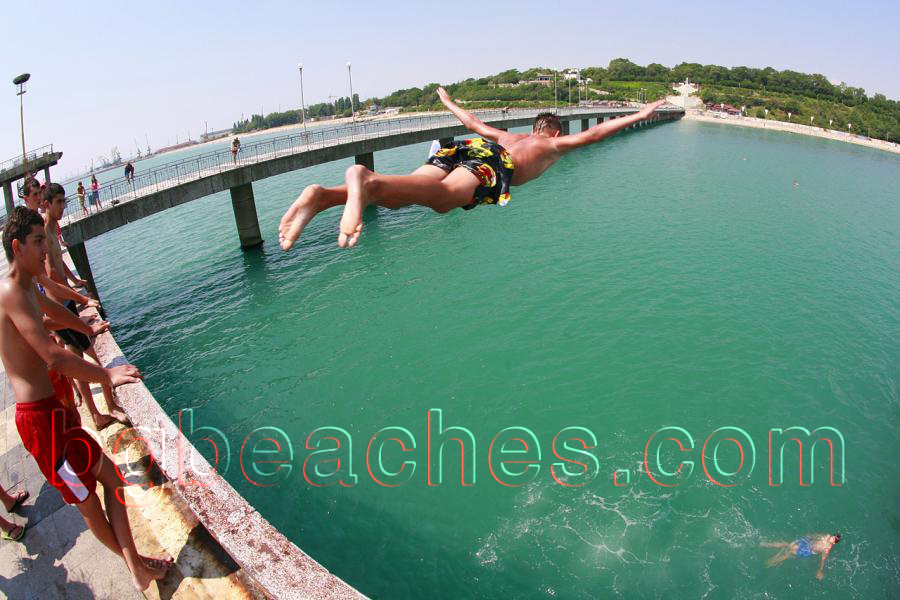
x=124 y=374
x=651 y=108
x=98 y=328
x=79 y=282
x=444 y=96
x=92 y=303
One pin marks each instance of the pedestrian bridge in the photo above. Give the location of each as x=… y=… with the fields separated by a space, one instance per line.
x=181 y=181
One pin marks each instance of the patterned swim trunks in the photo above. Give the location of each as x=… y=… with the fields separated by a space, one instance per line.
x=485 y=159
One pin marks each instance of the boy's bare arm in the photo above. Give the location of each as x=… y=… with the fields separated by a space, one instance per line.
x=471 y=122
x=820 y=574
x=62 y=318
x=30 y=327
x=603 y=130
x=70 y=276
x=63 y=291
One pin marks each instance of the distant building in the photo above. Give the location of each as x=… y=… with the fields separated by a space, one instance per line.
x=543 y=79
x=723 y=108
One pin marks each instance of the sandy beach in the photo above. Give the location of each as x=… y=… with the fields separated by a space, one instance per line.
x=829 y=134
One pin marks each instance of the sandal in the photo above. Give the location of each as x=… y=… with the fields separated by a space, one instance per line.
x=8 y=535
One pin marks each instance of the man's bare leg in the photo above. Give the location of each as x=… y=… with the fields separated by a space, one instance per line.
x=113 y=529
x=316 y=198
x=115 y=409
x=366 y=187
x=101 y=420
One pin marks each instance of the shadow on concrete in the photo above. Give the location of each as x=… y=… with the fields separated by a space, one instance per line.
x=26 y=583
x=194 y=563
x=41 y=573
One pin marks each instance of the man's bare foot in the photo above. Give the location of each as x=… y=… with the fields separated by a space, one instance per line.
x=304 y=208
x=351 y=220
x=119 y=416
x=158 y=563
x=102 y=421
x=146 y=574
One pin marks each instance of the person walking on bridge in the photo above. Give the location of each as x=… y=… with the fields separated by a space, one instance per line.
x=490 y=164
x=235 y=148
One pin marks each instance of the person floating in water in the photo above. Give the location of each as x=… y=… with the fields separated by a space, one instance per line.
x=819 y=543
x=490 y=165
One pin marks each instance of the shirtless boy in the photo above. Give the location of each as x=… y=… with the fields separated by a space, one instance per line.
x=57 y=270
x=69 y=458
x=818 y=543
x=491 y=164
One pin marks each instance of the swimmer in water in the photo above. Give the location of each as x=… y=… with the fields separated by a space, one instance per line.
x=818 y=543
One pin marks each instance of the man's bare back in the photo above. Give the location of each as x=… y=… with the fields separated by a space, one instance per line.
x=532 y=155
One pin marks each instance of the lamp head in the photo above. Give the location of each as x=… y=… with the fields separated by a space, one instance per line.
x=21 y=79
x=300 y=66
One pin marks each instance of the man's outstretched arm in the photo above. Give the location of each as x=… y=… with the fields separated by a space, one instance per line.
x=470 y=121
x=604 y=130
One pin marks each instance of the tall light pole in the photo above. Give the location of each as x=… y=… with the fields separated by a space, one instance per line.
x=350 y=76
x=555 y=95
x=302 y=101
x=20 y=81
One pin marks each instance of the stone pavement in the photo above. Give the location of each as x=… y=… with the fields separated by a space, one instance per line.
x=58 y=557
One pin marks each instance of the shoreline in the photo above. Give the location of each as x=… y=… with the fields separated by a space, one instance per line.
x=828 y=134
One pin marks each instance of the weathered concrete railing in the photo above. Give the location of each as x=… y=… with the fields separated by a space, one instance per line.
x=274 y=563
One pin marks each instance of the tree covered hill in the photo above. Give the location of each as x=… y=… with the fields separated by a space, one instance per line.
x=786 y=94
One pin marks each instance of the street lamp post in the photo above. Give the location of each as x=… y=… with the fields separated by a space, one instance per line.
x=350 y=76
x=20 y=82
x=555 y=95
x=302 y=101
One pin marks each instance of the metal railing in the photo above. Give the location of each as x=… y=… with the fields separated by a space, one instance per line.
x=30 y=156
x=203 y=165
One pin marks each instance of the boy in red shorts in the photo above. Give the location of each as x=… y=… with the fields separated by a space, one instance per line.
x=70 y=459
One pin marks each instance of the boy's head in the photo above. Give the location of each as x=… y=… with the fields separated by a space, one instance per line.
x=24 y=240
x=55 y=200
x=835 y=538
x=31 y=193
x=547 y=124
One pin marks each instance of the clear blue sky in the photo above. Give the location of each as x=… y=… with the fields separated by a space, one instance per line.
x=106 y=74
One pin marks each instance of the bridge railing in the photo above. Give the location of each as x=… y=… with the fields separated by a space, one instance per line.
x=30 y=155
x=202 y=165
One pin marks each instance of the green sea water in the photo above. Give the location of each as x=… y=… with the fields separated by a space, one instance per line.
x=687 y=275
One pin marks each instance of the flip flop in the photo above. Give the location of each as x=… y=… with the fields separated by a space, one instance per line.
x=20 y=498
x=13 y=538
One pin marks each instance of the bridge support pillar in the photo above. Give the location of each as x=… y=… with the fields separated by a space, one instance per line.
x=8 y=196
x=47 y=174
x=565 y=128
x=585 y=124
x=444 y=141
x=78 y=252
x=367 y=160
x=245 y=215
